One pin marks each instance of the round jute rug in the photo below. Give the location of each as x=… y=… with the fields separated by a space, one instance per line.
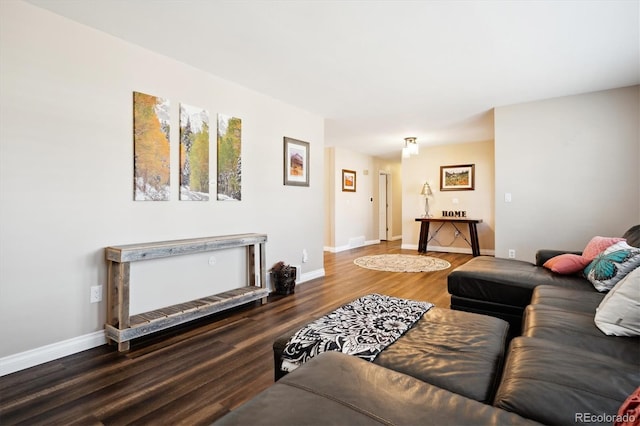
x=402 y=263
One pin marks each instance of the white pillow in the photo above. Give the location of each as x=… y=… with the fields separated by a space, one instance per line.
x=619 y=312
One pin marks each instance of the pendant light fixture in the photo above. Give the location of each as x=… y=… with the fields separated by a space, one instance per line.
x=410 y=147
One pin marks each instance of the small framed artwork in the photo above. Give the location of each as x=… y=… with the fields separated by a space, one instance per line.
x=296 y=162
x=457 y=178
x=348 y=180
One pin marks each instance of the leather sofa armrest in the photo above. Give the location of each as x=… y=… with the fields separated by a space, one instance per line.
x=545 y=254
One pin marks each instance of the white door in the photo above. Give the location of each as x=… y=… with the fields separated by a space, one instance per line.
x=383 y=206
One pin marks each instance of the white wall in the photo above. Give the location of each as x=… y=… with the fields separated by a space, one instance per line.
x=66 y=166
x=571 y=165
x=479 y=203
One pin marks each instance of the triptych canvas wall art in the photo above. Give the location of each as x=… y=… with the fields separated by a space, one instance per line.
x=152 y=164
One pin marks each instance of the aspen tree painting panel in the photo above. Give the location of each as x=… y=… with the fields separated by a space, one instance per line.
x=194 y=153
x=150 y=147
x=229 y=158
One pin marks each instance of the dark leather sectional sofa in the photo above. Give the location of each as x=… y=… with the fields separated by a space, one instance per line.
x=503 y=287
x=458 y=368
x=563 y=369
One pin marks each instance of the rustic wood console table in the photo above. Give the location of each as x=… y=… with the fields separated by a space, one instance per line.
x=121 y=328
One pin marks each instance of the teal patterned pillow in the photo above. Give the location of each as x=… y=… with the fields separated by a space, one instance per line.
x=612 y=265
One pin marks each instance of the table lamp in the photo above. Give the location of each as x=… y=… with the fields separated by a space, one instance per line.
x=426 y=191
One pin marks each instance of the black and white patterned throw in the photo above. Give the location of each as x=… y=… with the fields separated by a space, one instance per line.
x=362 y=328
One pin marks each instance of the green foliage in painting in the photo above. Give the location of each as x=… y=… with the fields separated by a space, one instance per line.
x=186 y=139
x=194 y=153
x=199 y=159
x=229 y=158
x=151 y=147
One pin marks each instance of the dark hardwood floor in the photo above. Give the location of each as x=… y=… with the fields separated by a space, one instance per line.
x=196 y=373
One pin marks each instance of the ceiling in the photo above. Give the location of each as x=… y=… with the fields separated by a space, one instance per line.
x=379 y=71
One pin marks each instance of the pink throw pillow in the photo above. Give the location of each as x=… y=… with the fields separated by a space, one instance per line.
x=629 y=412
x=567 y=263
x=599 y=244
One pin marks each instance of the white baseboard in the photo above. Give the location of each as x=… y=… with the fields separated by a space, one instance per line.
x=318 y=273
x=20 y=361
x=338 y=249
x=349 y=247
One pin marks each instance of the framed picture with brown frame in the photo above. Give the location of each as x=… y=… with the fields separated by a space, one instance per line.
x=348 y=180
x=457 y=178
x=296 y=162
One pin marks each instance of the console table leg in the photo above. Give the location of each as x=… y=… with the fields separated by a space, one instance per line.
x=475 y=246
x=424 y=237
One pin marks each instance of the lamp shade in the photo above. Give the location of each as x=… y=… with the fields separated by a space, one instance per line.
x=426 y=190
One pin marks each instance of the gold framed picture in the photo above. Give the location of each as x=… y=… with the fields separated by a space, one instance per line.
x=348 y=180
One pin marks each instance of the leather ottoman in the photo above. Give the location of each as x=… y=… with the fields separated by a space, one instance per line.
x=458 y=351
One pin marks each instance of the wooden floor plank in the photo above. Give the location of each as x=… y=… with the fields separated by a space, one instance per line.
x=197 y=372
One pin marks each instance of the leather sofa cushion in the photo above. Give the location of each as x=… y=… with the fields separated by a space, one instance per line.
x=551 y=382
x=338 y=389
x=455 y=350
x=578 y=329
x=567 y=299
x=506 y=281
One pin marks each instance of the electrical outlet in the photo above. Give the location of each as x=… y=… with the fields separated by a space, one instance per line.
x=512 y=254
x=96 y=294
